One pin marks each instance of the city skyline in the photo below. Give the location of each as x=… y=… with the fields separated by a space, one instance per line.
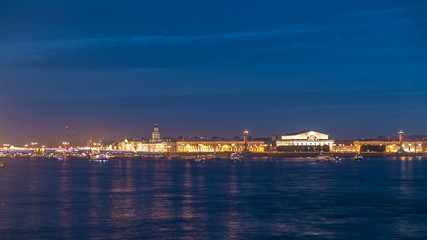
x=71 y=134
x=112 y=69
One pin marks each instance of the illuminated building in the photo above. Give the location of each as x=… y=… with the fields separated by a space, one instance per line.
x=90 y=143
x=147 y=146
x=193 y=146
x=304 y=142
x=393 y=145
x=345 y=147
x=156 y=144
x=219 y=146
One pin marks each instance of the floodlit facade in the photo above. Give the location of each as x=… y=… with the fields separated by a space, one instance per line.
x=219 y=146
x=144 y=146
x=346 y=148
x=310 y=141
x=195 y=146
x=408 y=146
x=156 y=144
x=390 y=145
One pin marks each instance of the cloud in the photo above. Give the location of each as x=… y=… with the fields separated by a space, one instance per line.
x=304 y=43
x=386 y=11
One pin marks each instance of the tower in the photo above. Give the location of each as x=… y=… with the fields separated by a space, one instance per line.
x=70 y=135
x=245 y=140
x=90 y=142
x=401 y=133
x=155 y=135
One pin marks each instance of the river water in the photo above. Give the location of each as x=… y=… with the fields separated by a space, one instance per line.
x=180 y=199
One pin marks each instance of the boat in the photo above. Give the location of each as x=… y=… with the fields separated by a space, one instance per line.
x=199 y=159
x=2 y=165
x=100 y=157
x=327 y=158
x=358 y=157
x=212 y=157
x=236 y=157
x=63 y=158
x=188 y=157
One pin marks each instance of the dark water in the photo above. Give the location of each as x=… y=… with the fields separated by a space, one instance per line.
x=254 y=199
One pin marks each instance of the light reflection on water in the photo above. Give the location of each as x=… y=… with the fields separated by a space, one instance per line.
x=253 y=199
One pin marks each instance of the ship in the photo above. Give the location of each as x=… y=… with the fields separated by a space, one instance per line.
x=358 y=157
x=236 y=157
x=100 y=157
x=199 y=158
x=327 y=158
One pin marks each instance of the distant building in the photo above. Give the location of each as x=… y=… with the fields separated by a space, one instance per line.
x=147 y=146
x=155 y=144
x=90 y=143
x=310 y=141
x=391 y=146
x=345 y=147
x=191 y=144
x=220 y=146
x=399 y=144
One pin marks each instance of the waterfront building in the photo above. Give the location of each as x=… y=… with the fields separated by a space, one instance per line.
x=220 y=146
x=412 y=144
x=345 y=147
x=307 y=141
x=191 y=145
x=155 y=144
x=147 y=146
x=391 y=146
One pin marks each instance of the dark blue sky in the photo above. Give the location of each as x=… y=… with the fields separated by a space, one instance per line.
x=113 y=68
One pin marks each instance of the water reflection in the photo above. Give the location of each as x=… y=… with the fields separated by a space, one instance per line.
x=122 y=196
x=64 y=206
x=232 y=219
x=95 y=212
x=187 y=211
x=34 y=216
x=406 y=174
x=161 y=204
x=156 y=199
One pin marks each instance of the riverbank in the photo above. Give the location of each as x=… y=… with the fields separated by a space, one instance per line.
x=305 y=155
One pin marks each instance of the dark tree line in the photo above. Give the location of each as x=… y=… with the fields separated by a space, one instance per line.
x=304 y=149
x=372 y=148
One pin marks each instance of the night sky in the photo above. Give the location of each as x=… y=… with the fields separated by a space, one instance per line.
x=207 y=68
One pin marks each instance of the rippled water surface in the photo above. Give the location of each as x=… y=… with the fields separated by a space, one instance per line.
x=253 y=199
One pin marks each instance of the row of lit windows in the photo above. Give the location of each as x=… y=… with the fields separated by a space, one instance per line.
x=303 y=144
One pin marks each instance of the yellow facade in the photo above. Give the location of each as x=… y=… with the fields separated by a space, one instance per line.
x=341 y=148
x=394 y=146
x=167 y=147
x=311 y=138
x=192 y=146
x=219 y=146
